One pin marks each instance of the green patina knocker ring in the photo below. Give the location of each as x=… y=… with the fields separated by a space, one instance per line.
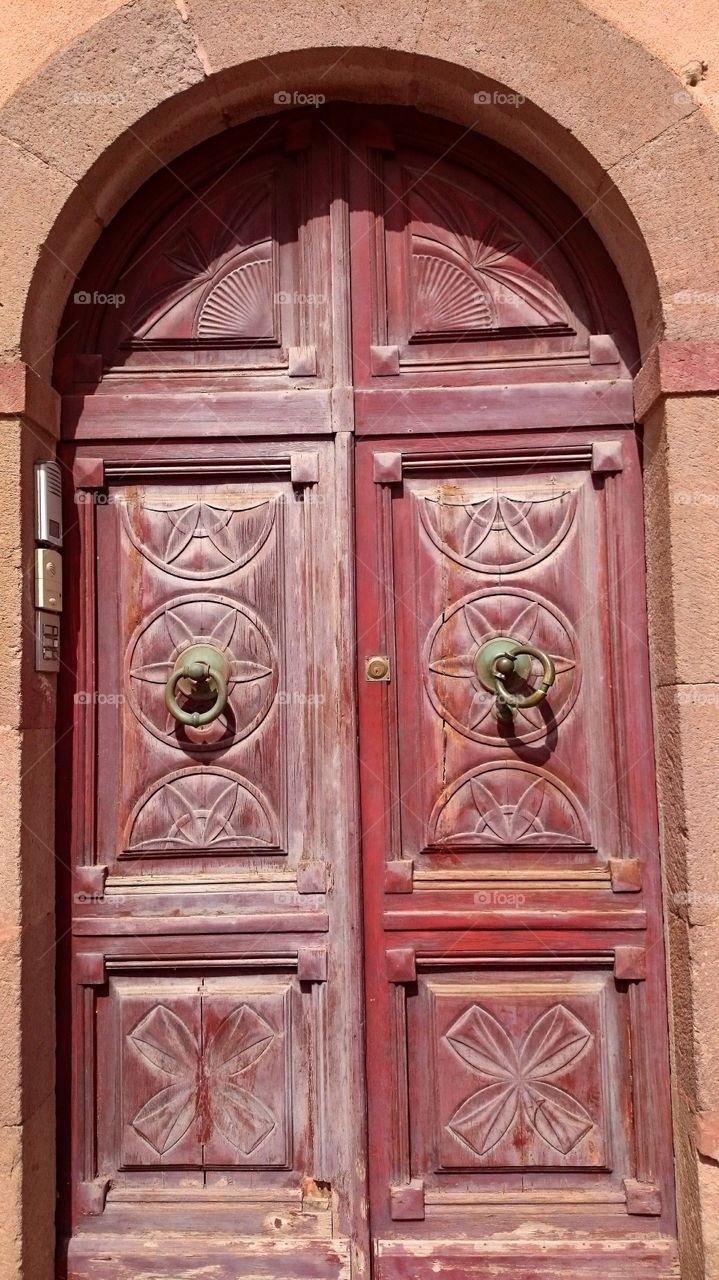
x=205 y=671
x=503 y=657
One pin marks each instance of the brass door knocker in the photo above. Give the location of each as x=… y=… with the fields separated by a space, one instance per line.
x=500 y=659
x=205 y=673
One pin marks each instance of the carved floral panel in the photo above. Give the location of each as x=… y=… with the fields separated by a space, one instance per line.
x=474 y=561
x=471 y=269
x=205 y=1080
x=510 y=804
x=497 y=530
x=201 y=810
x=212 y=274
x=520 y=1074
x=200 y=537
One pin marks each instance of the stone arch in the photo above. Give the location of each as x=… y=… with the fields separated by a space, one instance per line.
x=96 y=120
x=148 y=82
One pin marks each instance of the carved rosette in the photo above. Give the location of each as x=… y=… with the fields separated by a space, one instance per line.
x=166 y=633
x=198 y=539
x=494 y=531
x=508 y=804
x=522 y=1077
x=201 y=810
x=198 y=1083
x=456 y=638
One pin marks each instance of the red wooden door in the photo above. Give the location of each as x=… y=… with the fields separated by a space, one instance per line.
x=214 y=1105
x=517 y=1072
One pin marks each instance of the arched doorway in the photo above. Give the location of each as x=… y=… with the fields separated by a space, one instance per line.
x=350 y=419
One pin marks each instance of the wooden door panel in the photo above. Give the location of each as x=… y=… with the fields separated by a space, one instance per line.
x=212 y=794
x=458 y=275
x=209 y=952
x=207 y=1076
x=479 y=796
x=510 y=868
x=232 y=277
x=518 y=1076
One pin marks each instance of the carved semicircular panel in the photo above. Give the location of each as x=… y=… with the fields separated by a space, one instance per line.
x=234 y=629
x=454 y=642
x=210 y=273
x=473 y=269
x=492 y=531
x=512 y=805
x=201 y=810
x=198 y=538
x=240 y=304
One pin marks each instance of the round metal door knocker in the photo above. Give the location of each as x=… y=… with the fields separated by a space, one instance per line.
x=202 y=673
x=501 y=659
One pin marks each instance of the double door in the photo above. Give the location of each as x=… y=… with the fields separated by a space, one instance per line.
x=365 y=966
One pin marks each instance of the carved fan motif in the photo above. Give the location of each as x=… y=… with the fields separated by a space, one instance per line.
x=210 y=275
x=229 y=626
x=447 y=298
x=199 y=539
x=498 y=531
x=240 y=305
x=201 y=810
x=522 y=1076
x=471 y=270
x=199 y=1082
x=456 y=638
x=512 y=804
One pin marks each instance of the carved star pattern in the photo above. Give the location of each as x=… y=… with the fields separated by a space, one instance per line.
x=242 y=670
x=203 y=1080
x=520 y=1075
x=520 y=622
x=199 y=520
x=499 y=513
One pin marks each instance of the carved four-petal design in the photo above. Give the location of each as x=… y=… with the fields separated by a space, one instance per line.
x=203 y=1080
x=521 y=1076
x=520 y=619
